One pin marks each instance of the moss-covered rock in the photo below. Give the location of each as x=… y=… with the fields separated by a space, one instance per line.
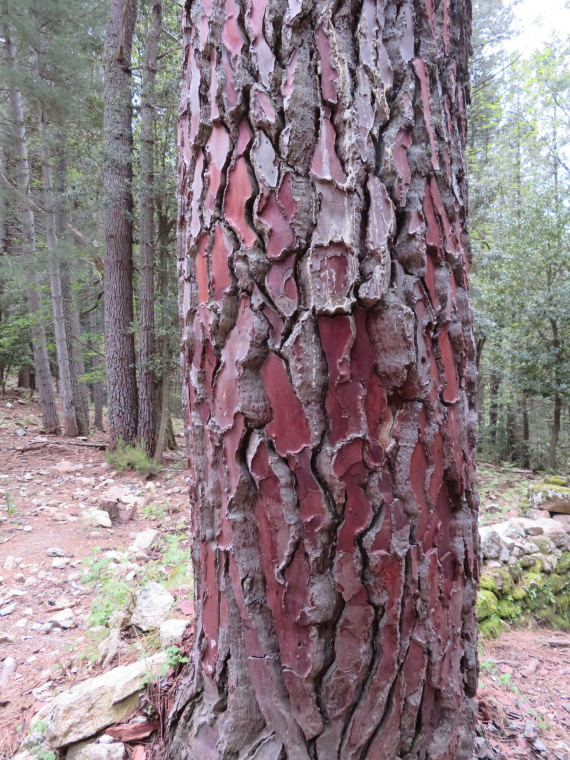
x=564 y=563
x=489 y=584
x=555 y=480
x=508 y=610
x=487 y=604
x=491 y=627
x=518 y=593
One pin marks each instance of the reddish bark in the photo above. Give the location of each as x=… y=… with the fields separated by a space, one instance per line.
x=330 y=381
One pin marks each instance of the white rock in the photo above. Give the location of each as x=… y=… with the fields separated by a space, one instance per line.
x=490 y=543
x=59 y=562
x=555 y=531
x=5 y=638
x=10 y=563
x=31 y=581
x=92 y=705
x=8 y=609
x=145 y=539
x=505 y=554
x=98 y=518
x=88 y=751
x=63 y=619
x=152 y=607
x=171 y=633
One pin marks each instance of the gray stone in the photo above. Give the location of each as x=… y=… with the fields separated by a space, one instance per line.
x=89 y=751
x=555 y=531
x=172 y=632
x=552 y=498
x=63 y=619
x=8 y=609
x=490 y=543
x=505 y=554
x=152 y=607
x=93 y=705
x=55 y=552
x=564 y=519
x=145 y=539
x=59 y=563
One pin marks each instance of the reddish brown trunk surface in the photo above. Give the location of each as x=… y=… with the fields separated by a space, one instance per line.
x=330 y=380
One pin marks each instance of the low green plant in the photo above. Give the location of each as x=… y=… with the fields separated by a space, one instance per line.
x=174 y=657
x=11 y=503
x=153 y=511
x=124 y=457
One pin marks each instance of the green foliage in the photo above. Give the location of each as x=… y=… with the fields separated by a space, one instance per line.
x=125 y=457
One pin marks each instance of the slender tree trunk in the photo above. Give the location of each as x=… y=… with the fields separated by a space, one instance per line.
x=41 y=359
x=71 y=314
x=555 y=431
x=526 y=434
x=122 y=400
x=494 y=386
x=330 y=382
x=71 y=427
x=95 y=367
x=147 y=379
x=164 y=396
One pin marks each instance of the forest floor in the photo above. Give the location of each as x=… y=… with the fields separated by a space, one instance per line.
x=524 y=689
x=49 y=489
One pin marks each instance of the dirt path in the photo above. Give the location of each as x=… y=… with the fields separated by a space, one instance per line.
x=52 y=489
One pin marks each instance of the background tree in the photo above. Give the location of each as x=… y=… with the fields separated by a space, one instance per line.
x=118 y=176
x=329 y=368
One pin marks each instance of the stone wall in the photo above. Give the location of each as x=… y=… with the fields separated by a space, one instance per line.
x=526 y=563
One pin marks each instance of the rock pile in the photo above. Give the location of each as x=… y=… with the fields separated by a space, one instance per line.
x=526 y=563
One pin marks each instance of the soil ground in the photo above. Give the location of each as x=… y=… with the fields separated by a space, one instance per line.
x=51 y=487
x=524 y=689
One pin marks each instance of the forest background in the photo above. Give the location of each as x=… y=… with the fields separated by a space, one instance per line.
x=53 y=223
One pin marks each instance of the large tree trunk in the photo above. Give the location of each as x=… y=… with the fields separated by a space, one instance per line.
x=494 y=386
x=554 y=431
x=147 y=378
x=41 y=359
x=330 y=382
x=122 y=400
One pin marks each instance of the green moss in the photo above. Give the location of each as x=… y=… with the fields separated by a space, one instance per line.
x=543 y=543
x=556 y=582
x=555 y=480
x=563 y=601
x=564 y=563
x=538 y=487
x=508 y=610
x=518 y=593
x=491 y=627
x=488 y=584
x=532 y=580
x=487 y=604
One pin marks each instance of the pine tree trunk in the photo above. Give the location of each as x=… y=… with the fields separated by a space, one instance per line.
x=164 y=395
x=71 y=314
x=122 y=400
x=555 y=432
x=98 y=385
x=147 y=379
x=494 y=386
x=526 y=434
x=71 y=427
x=41 y=359
x=330 y=382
